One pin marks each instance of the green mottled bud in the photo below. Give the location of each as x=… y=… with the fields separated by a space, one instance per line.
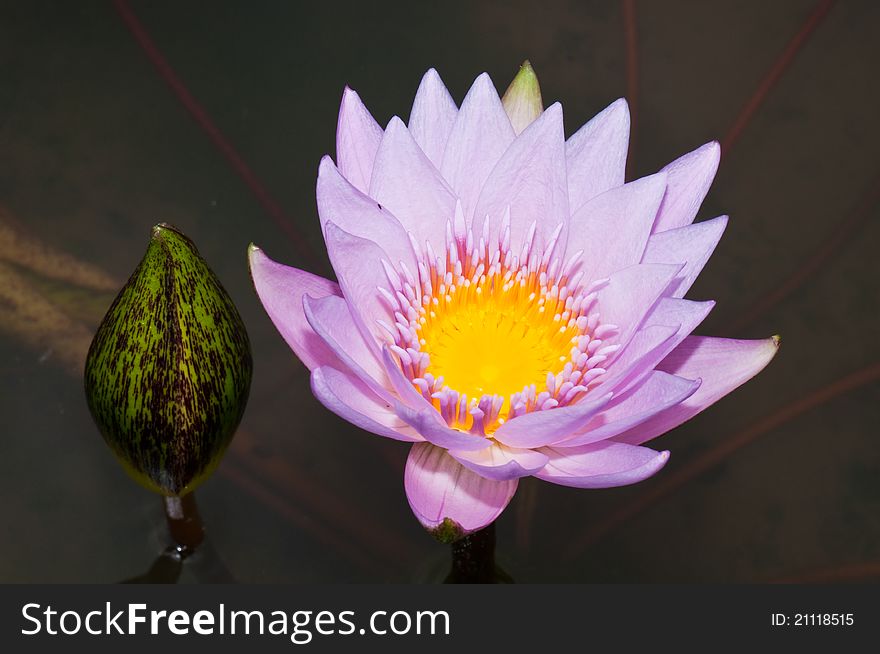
x=522 y=100
x=169 y=370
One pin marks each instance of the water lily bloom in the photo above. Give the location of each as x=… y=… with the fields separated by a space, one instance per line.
x=506 y=302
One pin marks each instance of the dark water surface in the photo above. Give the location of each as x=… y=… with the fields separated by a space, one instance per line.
x=779 y=480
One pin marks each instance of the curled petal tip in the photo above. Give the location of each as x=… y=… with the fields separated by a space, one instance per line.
x=777 y=340
x=254 y=254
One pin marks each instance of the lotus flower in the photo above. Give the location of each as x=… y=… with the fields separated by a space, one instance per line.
x=506 y=303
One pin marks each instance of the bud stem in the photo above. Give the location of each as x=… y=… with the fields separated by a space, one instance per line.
x=184 y=522
x=473 y=558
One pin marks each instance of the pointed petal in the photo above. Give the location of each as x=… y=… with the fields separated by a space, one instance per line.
x=596 y=155
x=522 y=100
x=551 y=426
x=613 y=228
x=358 y=266
x=406 y=182
x=723 y=364
x=637 y=358
x=480 y=135
x=404 y=387
x=439 y=489
x=429 y=424
x=351 y=400
x=631 y=293
x=691 y=245
x=281 y=290
x=357 y=139
x=433 y=114
x=500 y=462
x=332 y=320
x=601 y=465
x=667 y=325
x=688 y=314
x=342 y=204
x=530 y=180
x=657 y=392
x=690 y=177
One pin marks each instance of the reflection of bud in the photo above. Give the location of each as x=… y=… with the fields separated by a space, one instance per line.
x=168 y=372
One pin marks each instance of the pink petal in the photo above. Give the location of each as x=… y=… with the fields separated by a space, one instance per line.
x=529 y=179
x=357 y=139
x=429 y=424
x=665 y=326
x=601 y=465
x=480 y=135
x=342 y=204
x=691 y=245
x=439 y=488
x=544 y=427
x=404 y=387
x=723 y=364
x=631 y=293
x=690 y=177
x=596 y=154
x=657 y=392
x=333 y=322
x=677 y=311
x=281 y=290
x=433 y=114
x=613 y=228
x=351 y=400
x=407 y=184
x=638 y=357
x=358 y=266
x=500 y=462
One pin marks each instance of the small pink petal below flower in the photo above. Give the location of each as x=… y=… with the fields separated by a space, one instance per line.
x=448 y=498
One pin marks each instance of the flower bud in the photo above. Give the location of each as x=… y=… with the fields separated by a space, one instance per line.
x=168 y=372
x=522 y=99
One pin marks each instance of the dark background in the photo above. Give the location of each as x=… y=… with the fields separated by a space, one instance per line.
x=780 y=481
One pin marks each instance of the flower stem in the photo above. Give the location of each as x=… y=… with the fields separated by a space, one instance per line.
x=184 y=522
x=473 y=558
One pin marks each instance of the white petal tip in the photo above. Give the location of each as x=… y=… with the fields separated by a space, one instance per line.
x=710 y=150
x=395 y=124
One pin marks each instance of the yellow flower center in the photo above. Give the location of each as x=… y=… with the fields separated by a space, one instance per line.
x=486 y=335
x=496 y=338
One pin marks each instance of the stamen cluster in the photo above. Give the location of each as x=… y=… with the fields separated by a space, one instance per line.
x=481 y=318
